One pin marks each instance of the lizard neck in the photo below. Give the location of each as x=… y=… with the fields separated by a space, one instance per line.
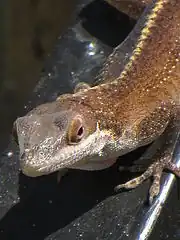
x=152 y=74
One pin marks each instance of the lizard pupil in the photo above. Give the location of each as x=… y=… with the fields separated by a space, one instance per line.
x=80 y=132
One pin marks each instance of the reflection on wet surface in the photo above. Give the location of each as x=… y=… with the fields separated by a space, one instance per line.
x=29 y=31
x=84 y=204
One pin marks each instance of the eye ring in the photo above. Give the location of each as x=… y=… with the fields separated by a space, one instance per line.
x=75 y=131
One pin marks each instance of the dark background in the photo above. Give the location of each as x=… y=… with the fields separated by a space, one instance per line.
x=83 y=205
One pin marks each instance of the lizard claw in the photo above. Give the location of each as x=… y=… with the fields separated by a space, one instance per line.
x=155 y=187
x=131 y=184
x=155 y=170
x=118 y=187
x=153 y=192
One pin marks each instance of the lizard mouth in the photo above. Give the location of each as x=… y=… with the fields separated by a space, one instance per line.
x=47 y=157
x=32 y=172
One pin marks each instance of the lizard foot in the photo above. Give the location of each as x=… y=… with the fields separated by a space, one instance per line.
x=155 y=170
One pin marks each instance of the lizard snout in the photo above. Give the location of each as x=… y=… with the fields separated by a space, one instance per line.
x=29 y=168
x=31 y=171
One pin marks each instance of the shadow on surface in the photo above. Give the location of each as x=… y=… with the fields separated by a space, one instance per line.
x=106 y=23
x=46 y=206
x=100 y=20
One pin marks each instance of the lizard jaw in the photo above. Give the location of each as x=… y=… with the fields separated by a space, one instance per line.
x=88 y=155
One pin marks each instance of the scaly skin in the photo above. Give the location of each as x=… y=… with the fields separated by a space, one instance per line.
x=135 y=101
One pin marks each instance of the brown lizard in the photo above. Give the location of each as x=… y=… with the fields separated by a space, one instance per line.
x=136 y=100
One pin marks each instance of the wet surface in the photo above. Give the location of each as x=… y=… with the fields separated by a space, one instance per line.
x=84 y=204
x=29 y=30
x=37 y=208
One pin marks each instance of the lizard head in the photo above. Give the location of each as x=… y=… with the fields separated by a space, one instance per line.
x=54 y=136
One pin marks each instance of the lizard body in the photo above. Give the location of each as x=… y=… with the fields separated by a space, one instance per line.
x=90 y=128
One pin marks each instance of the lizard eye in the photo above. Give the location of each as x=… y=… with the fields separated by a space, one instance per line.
x=75 y=131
